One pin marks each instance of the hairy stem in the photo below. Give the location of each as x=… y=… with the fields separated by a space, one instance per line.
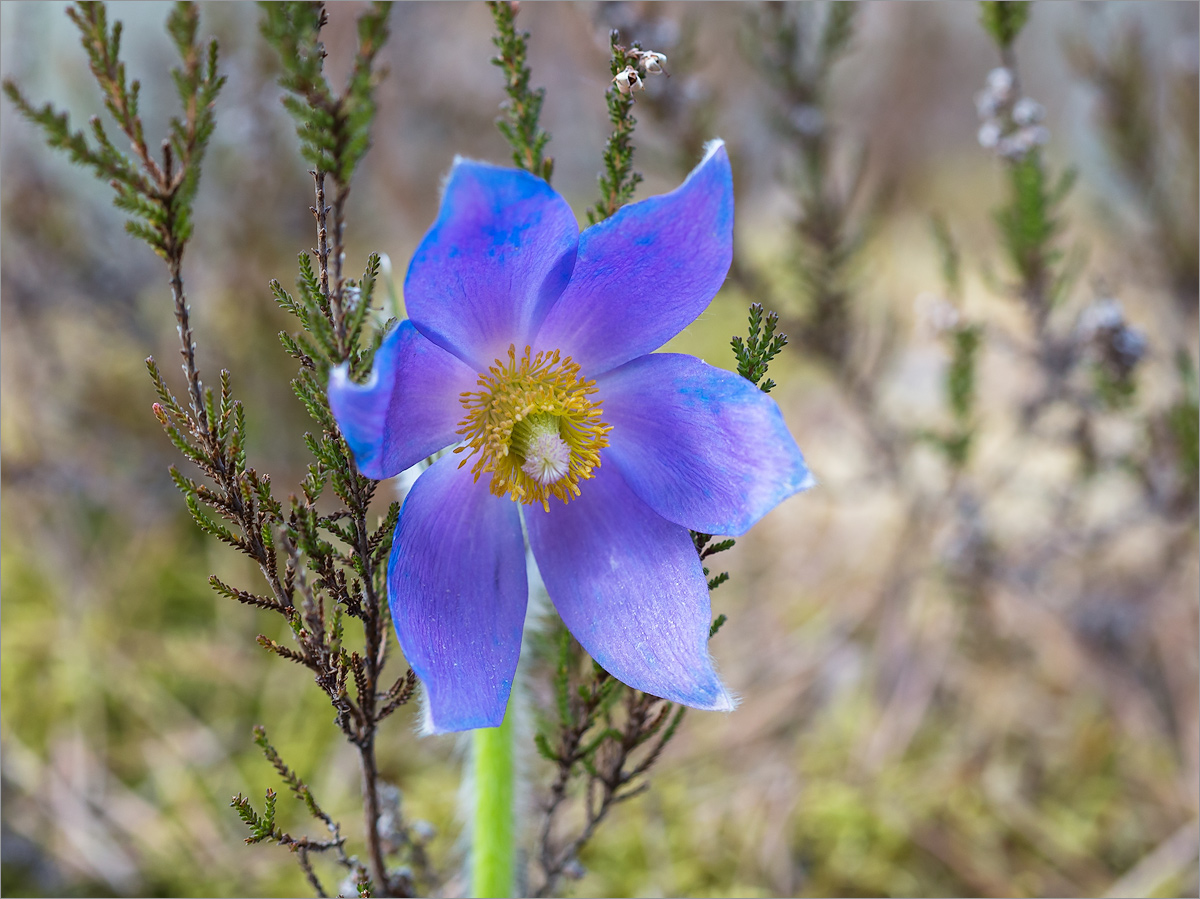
x=493 y=843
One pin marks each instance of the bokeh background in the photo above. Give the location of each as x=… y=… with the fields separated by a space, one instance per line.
x=980 y=682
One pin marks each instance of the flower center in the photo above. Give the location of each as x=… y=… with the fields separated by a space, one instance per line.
x=533 y=427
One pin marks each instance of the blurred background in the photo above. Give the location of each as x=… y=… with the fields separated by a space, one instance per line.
x=962 y=672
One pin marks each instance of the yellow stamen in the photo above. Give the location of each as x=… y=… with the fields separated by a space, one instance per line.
x=529 y=411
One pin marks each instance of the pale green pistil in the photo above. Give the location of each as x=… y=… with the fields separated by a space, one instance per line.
x=537 y=440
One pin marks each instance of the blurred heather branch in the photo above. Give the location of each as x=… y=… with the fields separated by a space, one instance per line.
x=157 y=195
x=1003 y=20
x=1150 y=134
x=964 y=342
x=1152 y=142
x=1028 y=226
x=1099 y=343
x=795 y=48
x=1183 y=423
x=1030 y=222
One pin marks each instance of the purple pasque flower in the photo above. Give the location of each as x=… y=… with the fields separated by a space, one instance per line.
x=529 y=344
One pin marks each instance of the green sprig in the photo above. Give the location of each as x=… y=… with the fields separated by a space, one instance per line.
x=1029 y=224
x=519 y=124
x=157 y=193
x=262 y=827
x=619 y=180
x=761 y=345
x=1183 y=421
x=334 y=130
x=1004 y=19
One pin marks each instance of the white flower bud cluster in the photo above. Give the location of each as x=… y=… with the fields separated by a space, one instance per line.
x=1009 y=126
x=629 y=81
x=650 y=62
x=647 y=62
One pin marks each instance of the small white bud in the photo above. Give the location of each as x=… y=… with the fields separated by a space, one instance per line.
x=986 y=105
x=989 y=134
x=652 y=62
x=1028 y=111
x=629 y=81
x=1000 y=82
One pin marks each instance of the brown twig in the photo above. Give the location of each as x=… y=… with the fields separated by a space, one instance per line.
x=368 y=667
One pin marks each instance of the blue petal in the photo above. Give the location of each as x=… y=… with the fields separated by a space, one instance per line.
x=644 y=274
x=629 y=586
x=703 y=447
x=457 y=585
x=499 y=254
x=408 y=409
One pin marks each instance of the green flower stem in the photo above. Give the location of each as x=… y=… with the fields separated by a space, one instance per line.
x=493 y=842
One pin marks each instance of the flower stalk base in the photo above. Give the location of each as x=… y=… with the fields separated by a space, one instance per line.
x=493 y=845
